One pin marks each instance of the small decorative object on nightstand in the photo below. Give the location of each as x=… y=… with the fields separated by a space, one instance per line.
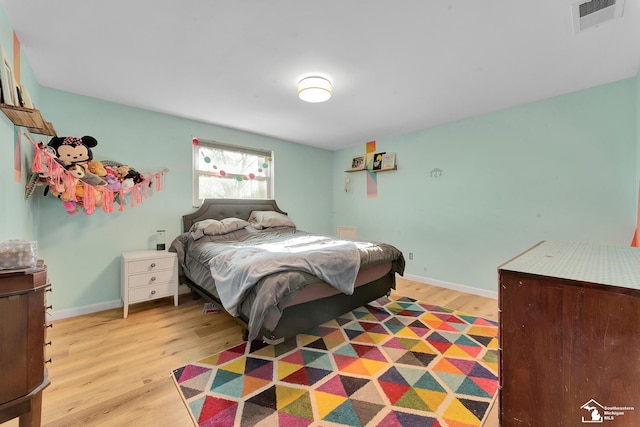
x=148 y=275
x=160 y=245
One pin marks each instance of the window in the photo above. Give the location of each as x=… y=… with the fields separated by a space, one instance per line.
x=222 y=171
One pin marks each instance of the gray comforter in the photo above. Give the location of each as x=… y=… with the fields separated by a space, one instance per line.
x=256 y=273
x=237 y=267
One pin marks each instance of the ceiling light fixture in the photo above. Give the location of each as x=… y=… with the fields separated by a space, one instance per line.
x=314 y=89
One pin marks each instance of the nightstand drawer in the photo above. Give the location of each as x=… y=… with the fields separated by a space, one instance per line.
x=148 y=265
x=151 y=292
x=152 y=278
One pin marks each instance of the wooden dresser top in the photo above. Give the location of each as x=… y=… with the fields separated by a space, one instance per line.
x=586 y=262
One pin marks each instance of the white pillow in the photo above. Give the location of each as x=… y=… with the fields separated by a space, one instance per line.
x=213 y=227
x=266 y=219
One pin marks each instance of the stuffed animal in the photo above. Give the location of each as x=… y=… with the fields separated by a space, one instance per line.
x=71 y=150
x=113 y=183
x=75 y=154
x=77 y=171
x=71 y=207
x=96 y=167
x=121 y=171
x=84 y=175
x=127 y=183
x=81 y=195
x=93 y=179
x=64 y=195
x=134 y=175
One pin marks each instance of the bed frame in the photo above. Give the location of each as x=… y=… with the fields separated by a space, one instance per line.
x=297 y=318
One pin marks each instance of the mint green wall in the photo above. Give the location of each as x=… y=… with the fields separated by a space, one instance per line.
x=637 y=116
x=82 y=252
x=563 y=168
x=17 y=218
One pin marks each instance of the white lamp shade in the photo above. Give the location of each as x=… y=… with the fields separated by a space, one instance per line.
x=314 y=89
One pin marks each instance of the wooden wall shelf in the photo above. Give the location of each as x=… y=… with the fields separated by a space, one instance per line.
x=374 y=171
x=28 y=118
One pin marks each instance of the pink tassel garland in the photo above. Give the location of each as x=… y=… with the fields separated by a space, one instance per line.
x=61 y=180
x=107 y=200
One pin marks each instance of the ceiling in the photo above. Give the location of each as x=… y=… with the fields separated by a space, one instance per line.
x=397 y=66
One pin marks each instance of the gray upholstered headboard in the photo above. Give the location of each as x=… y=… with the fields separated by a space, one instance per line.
x=228 y=208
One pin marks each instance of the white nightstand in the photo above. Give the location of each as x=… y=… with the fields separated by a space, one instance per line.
x=147 y=275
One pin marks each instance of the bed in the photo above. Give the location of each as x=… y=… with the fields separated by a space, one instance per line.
x=273 y=298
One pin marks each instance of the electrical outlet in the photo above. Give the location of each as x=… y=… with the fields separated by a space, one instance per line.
x=410 y=255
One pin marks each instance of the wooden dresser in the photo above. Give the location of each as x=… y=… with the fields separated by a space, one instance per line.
x=570 y=336
x=22 y=341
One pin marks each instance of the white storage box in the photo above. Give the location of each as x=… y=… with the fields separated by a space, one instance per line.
x=15 y=254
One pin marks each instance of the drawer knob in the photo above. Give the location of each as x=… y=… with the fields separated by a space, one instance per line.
x=153 y=292
x=50 y=325
x=153 y=264
x=47 y=343
x=48 y=360
x=49 y=307
x=153 y=279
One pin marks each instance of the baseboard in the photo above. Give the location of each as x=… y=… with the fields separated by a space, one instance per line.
x=454 y=286
x=86 y=309
x=94 y=308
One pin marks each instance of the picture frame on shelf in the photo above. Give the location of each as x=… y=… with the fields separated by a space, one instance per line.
x=389 y=161
x=7 y=80
x=357 y=162
x=377 y=161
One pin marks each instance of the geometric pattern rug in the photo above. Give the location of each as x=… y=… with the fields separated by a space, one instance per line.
x=393 y=362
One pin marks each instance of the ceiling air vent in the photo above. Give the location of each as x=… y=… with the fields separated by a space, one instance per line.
x=594 y=13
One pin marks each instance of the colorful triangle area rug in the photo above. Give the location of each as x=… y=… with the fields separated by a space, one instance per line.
x=394 y=362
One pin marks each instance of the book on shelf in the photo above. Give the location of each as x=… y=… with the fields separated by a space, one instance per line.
x=26 y=98
x=388 y=161
x=377 y=161
x=20 y=99
x=6 y=79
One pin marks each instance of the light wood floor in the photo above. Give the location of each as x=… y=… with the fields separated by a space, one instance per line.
x=110 y=371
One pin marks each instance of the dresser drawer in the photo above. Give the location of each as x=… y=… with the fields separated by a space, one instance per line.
x=149 y=265
x=152 y=278
x=151 y=292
